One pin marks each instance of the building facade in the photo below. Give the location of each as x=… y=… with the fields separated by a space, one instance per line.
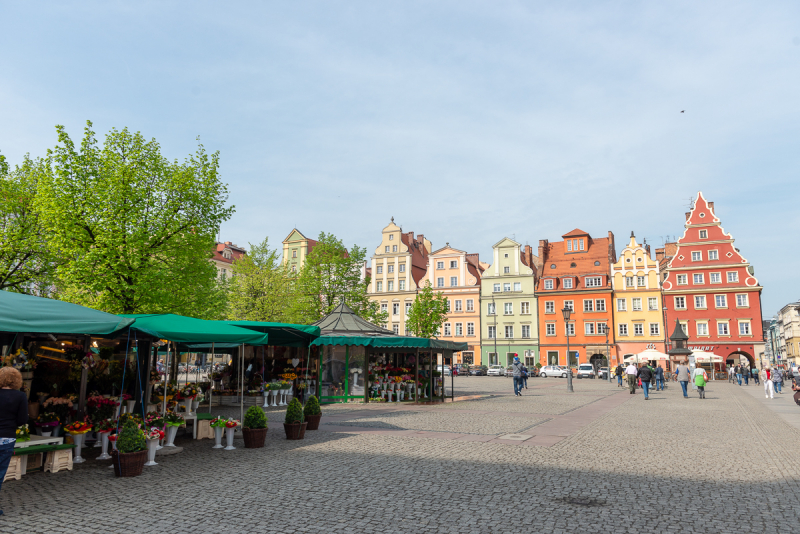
x=637 y=305
x=574 y=274
x=457 y=275
x=509 y=325
x=712 y=290
x=788 y=331
x=296 y=248
x=397 y=270
x=224 y=256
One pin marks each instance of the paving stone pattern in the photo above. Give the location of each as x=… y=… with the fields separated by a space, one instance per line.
x=598 y=460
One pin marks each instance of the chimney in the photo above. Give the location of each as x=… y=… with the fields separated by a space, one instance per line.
x=228 y=243
x=659 y=254
x=688 y=213
x=711 y=206
x=543 y=249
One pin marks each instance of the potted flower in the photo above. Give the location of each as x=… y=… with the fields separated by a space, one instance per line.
x=173 y=421
x=48 y=423
x=218 y=424
x=60 y=406
x=23 y=434
x=162 y=391
x=255 y=428
x=312 y=413
x=78 y=430
x=104 y=427
x=230 y=427
x=135 y=417
x=100 y=407
x=152 y=436
x=131 y=451
x=128 y=399
x=293 y=425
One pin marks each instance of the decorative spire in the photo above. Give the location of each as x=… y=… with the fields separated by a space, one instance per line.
x=392 y=219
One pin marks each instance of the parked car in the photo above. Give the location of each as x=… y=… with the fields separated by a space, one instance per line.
x=586 y=370
x=478 y=370
x=496 y=370
x=553 y=370
x=603 y=373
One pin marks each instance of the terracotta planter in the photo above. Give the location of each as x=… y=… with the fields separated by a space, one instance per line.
x=129 y=464
x=313 y=421
x=254 y=438
x=295 y=430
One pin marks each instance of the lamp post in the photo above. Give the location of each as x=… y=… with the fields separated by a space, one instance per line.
x=566 y=312
x=608 y=356
x=494 y=312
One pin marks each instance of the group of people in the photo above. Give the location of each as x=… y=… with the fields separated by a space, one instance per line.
x=744 y=373
x=652 y=378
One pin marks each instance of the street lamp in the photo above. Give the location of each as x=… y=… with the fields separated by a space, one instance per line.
x=566 y=312
x=608 y=355
x=494 y=312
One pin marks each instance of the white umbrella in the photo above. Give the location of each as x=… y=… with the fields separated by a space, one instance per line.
x=706 y=357
x=635 y=358
x=653 y=354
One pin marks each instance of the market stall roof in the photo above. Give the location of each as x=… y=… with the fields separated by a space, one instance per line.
x=182 y=329
x=344 y=321
x=282 y=334
x=29 y=314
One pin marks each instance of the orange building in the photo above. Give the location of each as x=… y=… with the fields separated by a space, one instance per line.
x=574 y=273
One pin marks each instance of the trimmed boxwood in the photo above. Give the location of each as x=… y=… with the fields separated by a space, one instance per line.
x=294 y=412
x=255 y=418
x=312 y=407
x=131 y=438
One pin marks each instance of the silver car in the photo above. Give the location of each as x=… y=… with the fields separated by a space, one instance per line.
x=553 y=370
x=496 y=370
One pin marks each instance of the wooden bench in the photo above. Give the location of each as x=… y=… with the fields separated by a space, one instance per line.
x=33 y=458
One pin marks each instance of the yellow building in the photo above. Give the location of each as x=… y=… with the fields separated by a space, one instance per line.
x=638 y=308
x=296 y=247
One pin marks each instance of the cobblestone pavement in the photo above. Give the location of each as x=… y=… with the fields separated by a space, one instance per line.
x=605 y=461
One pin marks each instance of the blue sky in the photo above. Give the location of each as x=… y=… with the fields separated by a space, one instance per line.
x=466 y=121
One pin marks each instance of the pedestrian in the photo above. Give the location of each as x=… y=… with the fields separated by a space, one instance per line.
x=659 y=378
x=739 y=374
x=524 y=376
x=769 y=390
x=796 y=384
x=619 y=372
x=700 y=380
x=746 y=374
x=631 y=372
x=731 y=375
x=754 y=372
x=516 y=369
x=646 y=375
x=13 y=413
x=682 y=376
x=777 y=379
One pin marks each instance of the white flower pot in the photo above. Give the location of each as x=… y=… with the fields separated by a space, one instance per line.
x=116 y=416
x=195 y=405
x=152 y=445
x=217 y=437
x=77 y=439
x=274 y=394
x=229 y=438
x=46 y=434
x=389 y=395
x=104 y=444
x=171 y=432
x=266 y=399
x=187 y=406
x=131 y=404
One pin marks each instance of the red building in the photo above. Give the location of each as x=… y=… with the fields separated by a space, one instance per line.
x=711 y=289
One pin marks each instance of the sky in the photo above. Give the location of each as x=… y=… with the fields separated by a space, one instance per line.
x=465 y=121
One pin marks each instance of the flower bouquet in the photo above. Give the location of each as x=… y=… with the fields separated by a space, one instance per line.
x=189 y=391
x=154 y=419
x=58 y=405
x=47 y=420
x=173 y=421
x=101 y=407
x=154 y=433
x=78 y=429
x=135 y=417
x=104 y=425
x=23 y=434
x=218 y=424
x=104 y=428
x=230 y=428
x=161 y=391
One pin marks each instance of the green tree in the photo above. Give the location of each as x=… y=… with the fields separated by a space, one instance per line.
x=26 y=265
x=331 y=274
x=261 y=287
x=428 y=312
x=133 y=231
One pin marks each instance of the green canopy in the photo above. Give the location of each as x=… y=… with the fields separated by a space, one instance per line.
x=182 y=329
x=282 y=334
x=29 y=314
x=405 y=342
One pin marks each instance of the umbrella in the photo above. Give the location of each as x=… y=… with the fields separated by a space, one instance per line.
x=635 y=358
x=652 y=354
x=706 y=357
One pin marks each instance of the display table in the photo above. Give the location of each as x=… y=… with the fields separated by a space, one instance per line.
x=39 y=440
x=19 y=463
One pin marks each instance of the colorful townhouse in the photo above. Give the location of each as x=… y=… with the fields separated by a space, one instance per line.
x=712 y=290
x=574 y=274
x=397 y=270
x=457 y=275
x=638 y=310
x=509 y=325
x=296 y=248
x=224 y=255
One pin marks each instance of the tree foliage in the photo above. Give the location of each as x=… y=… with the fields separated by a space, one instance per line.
x=428 y=312
x=261 y=287
x=133 y=232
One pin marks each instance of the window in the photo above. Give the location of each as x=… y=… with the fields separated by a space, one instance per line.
x=699 y=302
x=402 y=286
x=628 y=281
x=703 y=234
x=594 y=281
x=384 y=308
x=722 y=329
x=721 y=301
x=470 y=329
x=394 y=248
x=580 y=242
x=508 y=308
x=448 y=305
x=447 y=329
x=525 y=307
x=744 y=328
x=440 y=282
x=683 y=280
x=459 y=329
x=601 y=328
x=570 y=329
x=567 y=283
x=636 y=304
x=390 y=269
x=517 y=286
x=490 y=308
x=506 y=287
x=713 y=255
x=506 y=270
x=622 y=305
x=548 y=284
x=569 y=245
x=470 y=305
x=408 y=307
x=408 y=331
x=386 y=249
x=526 y=330
x=638 y=329
x=741 y=300
x=379 y=269
x=697 y=256
x=569 y=304
x=640 y=281
x=702 y=329
x=294 y=253
x=550 y=329
x=680 y=303
x=453 y=264
x=496 y=288
x=549 y=306
x=697 y=279
x=390 y=285
x=379 y=286
x=654 y=329
x=492 y=332
x=396 y=308
x=396 y=329
x=715 y=278
x=391 y=237
x=588 y=305
x=600 y=305
x=505 y=255
x=509 y=332
x=458 y=305
x=588 y=328
x=453 y=281
x=733 y=276
x=652 y=303
x=623 y=329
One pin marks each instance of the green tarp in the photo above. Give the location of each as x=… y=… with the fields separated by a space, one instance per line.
x=182 y=329
x=391 y=342
x=26 y=313
x=282 y=334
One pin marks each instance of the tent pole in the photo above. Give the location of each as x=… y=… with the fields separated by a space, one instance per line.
x=308 y=363
x=85 y=379
x=366 y=376
x=416 y=378
x=166 y=372
x=452 y=379
x=241 y=384
x=211 y=382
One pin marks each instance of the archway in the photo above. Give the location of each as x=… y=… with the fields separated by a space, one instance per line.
x=740 y=357
x=598 y=361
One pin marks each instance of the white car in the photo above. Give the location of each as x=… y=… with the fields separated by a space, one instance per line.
x=553 y=370
x=586 y=370
x=496 y=370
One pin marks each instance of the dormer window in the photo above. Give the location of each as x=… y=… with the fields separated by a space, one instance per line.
x=548 y=284
x=226 y=254
x=567 y=283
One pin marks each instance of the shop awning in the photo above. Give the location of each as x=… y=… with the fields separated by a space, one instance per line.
x=282 y=334
x=182 y=329
x=29 y=314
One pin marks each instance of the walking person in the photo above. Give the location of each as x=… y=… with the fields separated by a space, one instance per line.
x=739 y=374
x=516 y=369
x=746 y=374
x=13 y=413
x=631 y=372
x=731 y=374
x=700 y=380
x=659 y=378
x=769 y=391
x=619 y=372
x=682 y=376
x=777 y=379
x=754 y=372
x=524 y=376
x=646 y=374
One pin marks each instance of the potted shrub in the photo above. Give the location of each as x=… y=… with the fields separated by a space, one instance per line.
x=255 y=428
x=293 y=425
x=312 y=413
x=131 y=451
